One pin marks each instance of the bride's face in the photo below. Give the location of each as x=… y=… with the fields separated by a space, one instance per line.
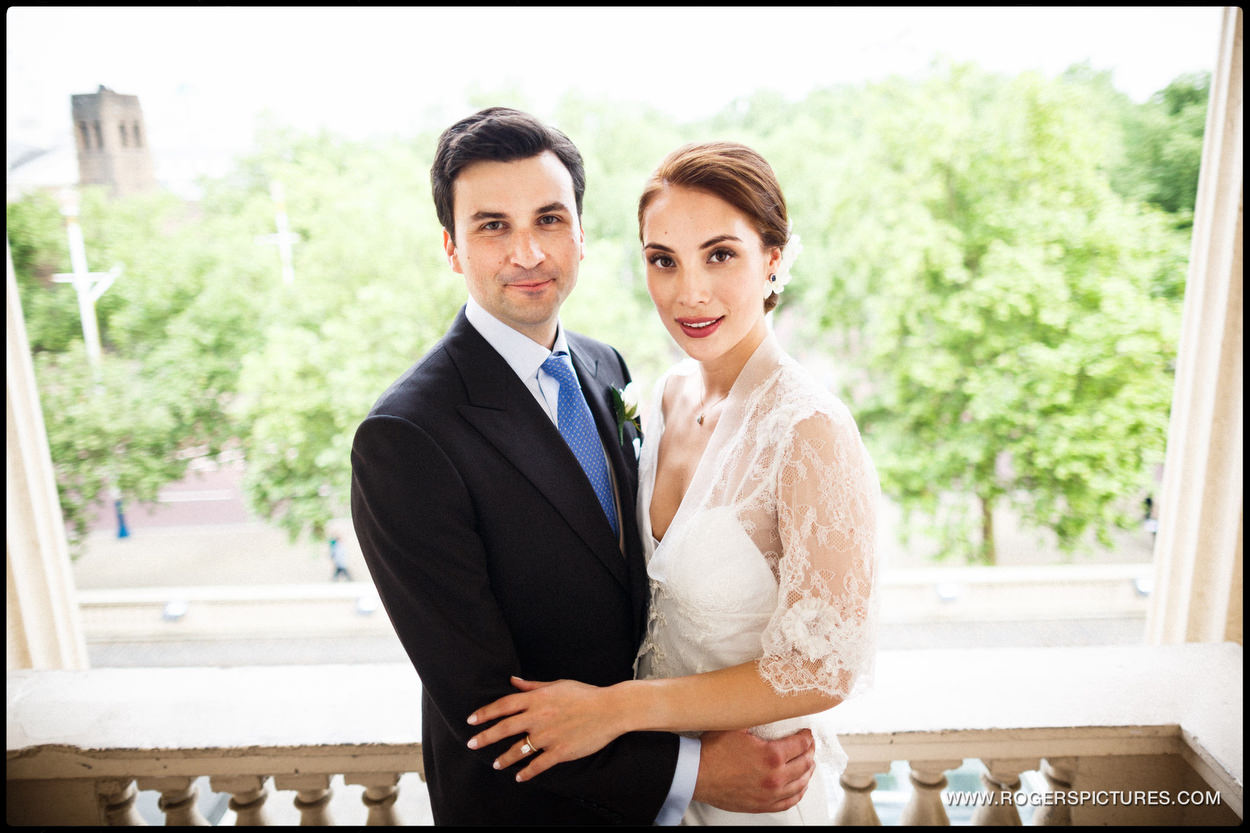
x=706 y=272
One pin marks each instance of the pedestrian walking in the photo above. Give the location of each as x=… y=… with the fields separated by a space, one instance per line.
x=340 y=563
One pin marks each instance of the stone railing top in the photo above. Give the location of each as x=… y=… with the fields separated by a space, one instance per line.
x=944 y=693
x=992 y=688
x=1196 y=687
x=214 y=708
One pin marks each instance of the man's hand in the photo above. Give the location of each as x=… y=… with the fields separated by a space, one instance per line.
x=744 y=774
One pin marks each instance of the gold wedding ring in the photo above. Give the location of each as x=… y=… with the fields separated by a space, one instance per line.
x=528 y=747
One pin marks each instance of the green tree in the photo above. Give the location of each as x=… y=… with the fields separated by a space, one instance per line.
x=108 y=436
x=993 y=278
x=611 y=302
x=38 y=246
x=173 y=328
x=372 y=293
x=1016 y=350
x=1164 y=145
x=375 y=290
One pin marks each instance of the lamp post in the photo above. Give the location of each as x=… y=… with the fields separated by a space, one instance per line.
x=285 y=237
x=89 y=286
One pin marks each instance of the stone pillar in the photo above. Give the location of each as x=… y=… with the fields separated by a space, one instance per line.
x=928 y=779
x=42 y=627
x=117 y=798
x=1198 y=572
x=312 y=797
x=178 y=799
x=858 y=781
x=1001 y=781
x=248 y=794
x=381 y=793
x=1060 y=775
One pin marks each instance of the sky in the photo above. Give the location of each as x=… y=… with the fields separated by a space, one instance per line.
x=203 y=74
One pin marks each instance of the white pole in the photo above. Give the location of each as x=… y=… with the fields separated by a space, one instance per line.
x=284 y=233
x=89 y=285
x=82 y=284
x=285 y=237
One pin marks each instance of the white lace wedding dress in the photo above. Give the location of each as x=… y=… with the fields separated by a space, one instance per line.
x=770 y=556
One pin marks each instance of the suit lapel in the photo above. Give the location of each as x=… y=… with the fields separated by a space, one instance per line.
x=504 y=412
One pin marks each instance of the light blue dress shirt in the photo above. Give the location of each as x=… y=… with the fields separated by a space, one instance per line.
x=525 y=356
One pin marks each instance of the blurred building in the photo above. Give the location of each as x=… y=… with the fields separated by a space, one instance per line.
x=112 y=142
x=33 y=168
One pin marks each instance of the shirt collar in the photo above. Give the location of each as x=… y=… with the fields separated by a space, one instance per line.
x=524 y=355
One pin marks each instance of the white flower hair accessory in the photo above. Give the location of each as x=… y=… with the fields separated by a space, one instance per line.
x=789 y=253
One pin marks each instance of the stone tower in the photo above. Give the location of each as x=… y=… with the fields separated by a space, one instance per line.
x=112 y=142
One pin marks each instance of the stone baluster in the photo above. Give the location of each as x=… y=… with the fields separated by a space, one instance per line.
x=178 y=799
x=858 y=782
x=247 y=796
x=381 y=791
x=1060 y=775
x=117 y=802
x=312 y=798
x=928 y=779
x=1002 y=782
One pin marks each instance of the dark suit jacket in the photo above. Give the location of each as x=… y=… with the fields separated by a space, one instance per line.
x=492 y=557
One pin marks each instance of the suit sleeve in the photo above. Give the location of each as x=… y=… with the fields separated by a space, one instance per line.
x=415 y=520
x=415 y=524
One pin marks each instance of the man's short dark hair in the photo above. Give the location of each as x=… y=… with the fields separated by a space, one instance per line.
x=496 y=134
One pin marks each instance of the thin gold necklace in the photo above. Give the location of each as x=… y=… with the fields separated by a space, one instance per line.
x=703 y=410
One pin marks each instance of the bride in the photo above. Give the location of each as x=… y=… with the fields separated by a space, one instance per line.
x=757 y=499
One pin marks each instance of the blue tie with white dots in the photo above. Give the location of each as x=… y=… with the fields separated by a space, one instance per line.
x=577 y=427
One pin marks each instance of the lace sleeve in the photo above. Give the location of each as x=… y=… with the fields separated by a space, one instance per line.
x=823 y=634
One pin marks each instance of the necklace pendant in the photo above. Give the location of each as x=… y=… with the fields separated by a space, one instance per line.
x=699 y=419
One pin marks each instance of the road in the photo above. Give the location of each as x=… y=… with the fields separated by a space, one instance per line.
x=207 y=496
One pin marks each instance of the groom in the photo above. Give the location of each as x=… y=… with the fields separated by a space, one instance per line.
x=493 y=497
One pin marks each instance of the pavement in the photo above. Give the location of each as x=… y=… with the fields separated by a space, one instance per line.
x=237 y=553
x=201 y=534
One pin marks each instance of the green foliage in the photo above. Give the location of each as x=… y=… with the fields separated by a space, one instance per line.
x=174 y=327
x=1156 y=148
x=994 y=265
x=110 y=438
x=38 y=246
x=611 y=301
x=1016 y=349
x=1168 y=145
x=372 y=293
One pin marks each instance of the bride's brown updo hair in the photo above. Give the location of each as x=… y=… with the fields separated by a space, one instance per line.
x=735 y=174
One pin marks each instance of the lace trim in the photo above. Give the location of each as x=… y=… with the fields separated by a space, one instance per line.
x=806 y=493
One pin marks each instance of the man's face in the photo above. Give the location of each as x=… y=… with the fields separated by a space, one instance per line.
x=518 y=240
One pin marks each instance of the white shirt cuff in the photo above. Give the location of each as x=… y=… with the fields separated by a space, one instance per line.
x=684 y=778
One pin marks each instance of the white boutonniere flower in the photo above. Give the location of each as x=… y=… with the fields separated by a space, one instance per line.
x=625 y=406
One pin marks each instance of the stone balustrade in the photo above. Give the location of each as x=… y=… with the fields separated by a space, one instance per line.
x=1124 y=720
x=1112 y=733
x=81 y=744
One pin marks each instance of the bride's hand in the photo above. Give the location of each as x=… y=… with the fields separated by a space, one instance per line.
x=564 y=720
